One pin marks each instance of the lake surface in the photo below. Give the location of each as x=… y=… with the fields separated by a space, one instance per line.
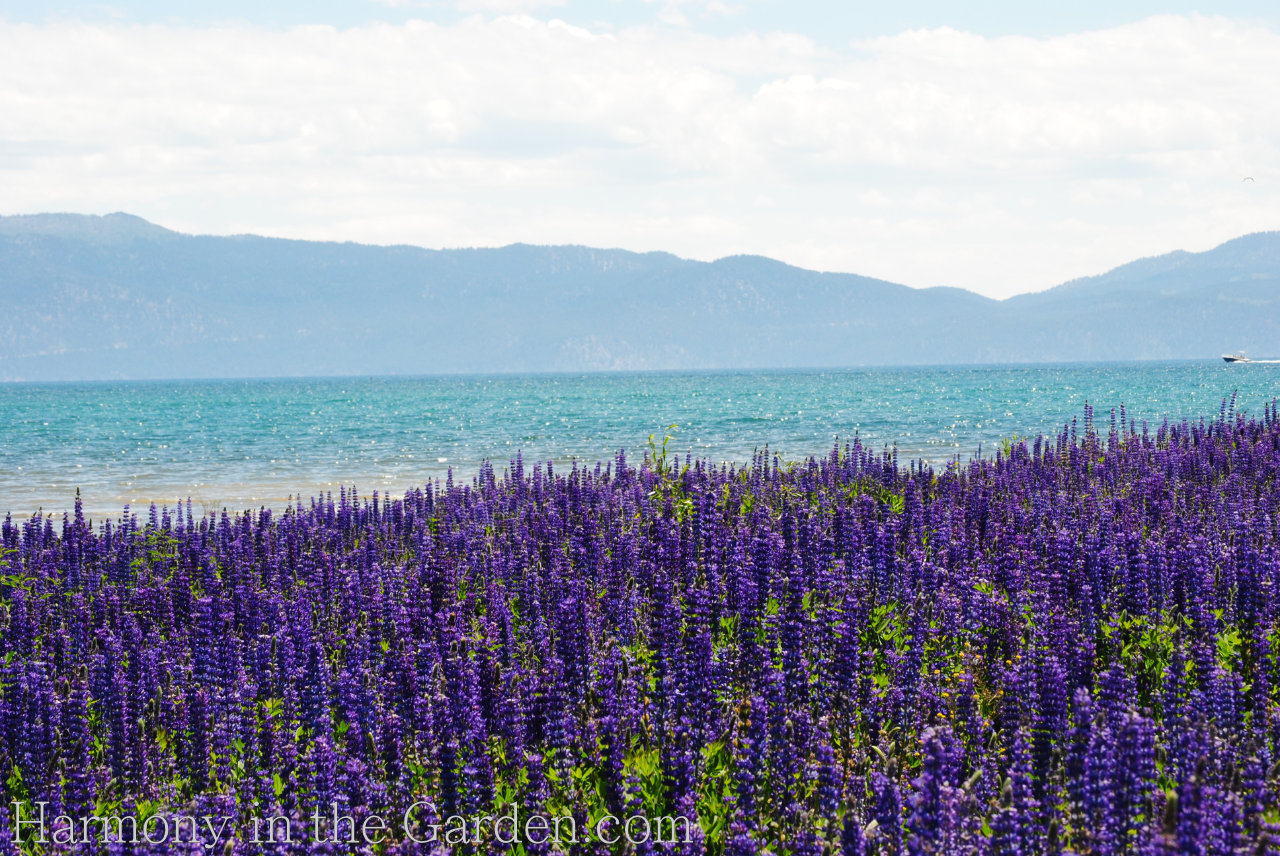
x=246 y=443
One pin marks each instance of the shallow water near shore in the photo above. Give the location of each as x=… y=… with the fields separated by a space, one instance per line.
x=247 y=443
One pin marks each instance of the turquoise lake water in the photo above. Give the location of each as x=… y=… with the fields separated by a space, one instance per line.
x=243 y=444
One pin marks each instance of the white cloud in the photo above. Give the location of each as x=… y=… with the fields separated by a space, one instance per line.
x=402 y=4
x=672 y=12
x=930 y=157
x=505 y=7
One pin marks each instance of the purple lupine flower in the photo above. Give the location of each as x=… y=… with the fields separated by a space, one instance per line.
x=1015 y=827
x=80 y=790
x=197 y=760
x=887 y=812
x=7 y=847
x=853 y=842
x=749 y=743
x=930 y=807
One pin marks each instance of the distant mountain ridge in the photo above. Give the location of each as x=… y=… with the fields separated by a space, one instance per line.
x=88 y=297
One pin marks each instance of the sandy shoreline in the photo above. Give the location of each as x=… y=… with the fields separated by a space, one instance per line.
x=204 y=499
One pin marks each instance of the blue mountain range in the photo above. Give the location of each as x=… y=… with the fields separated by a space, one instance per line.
x=88 y=297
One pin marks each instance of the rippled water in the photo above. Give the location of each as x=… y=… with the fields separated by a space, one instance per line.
x=249 y=443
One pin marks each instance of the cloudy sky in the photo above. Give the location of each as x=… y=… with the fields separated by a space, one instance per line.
x=996 y=147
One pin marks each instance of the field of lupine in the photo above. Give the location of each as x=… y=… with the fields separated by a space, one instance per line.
x=1072 y=645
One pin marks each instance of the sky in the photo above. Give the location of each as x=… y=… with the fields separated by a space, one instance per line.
x=995 y=146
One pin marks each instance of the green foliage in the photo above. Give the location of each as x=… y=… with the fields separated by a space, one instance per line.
x=671 y=484
x=658 y=454
x=1228 y=645
x=714 y=793
x=894 y=502
x=1145 y=645
x=646 y=763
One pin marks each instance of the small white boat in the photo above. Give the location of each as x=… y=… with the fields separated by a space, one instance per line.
x=1236 y=358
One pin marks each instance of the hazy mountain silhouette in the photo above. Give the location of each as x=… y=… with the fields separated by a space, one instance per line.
x=108 y=297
